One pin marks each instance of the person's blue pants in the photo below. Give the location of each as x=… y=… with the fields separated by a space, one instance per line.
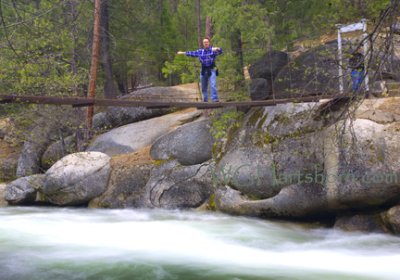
x=357 y=78
x=213 y=86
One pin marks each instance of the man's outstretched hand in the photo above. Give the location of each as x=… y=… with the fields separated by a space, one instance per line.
x=181 y=52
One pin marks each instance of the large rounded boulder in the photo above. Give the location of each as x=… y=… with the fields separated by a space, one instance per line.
x=272 y=147
x=58 y=150
x=133 y=137
x=313 y=72
x=77 y=178
x=361 y=222
x=116 y=116
x=269 y=65
x=249 y=170
x=260 y=89
x=24 y=190
x=392 y=219
x=315 y=167
x=189 y=144
x=172 y=185
x=129 y=176
x=264 y=71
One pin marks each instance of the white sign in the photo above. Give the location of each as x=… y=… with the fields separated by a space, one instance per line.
x=352 y=27
x=349 y=28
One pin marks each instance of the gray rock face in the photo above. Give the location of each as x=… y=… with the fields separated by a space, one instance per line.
x=58 y=150
x=361 y=222
x=174 y=186
x=305 y=200
x=48 y=129
x=392 y=219
x=132 y=137
x=8 y=168
x=364 y=165
x=24 y=190
x=273 y=146
x=77 y=178
x=33 y=149
x=3 y=202
x=126 y=186
x=269 y=65
x=117 y=116
x=314 y=71
x=314 y=169
x=381 y=111
x=249 y=170
x=260 y=89
x=190 y=144
x=263 y=72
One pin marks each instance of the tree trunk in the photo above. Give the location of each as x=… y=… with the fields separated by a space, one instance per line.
x=269 y=42
x=198 y=16
x=236 y=44
x=186 y=33
x=94 y=61
x=208 y=27
x=174 y=4
x=109 y=89
x=122 y=83
x=362 y=8
x=72 y=4
x=160 y=10
x=162 y=50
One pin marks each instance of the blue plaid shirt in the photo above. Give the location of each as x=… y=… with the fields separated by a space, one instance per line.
x=206 y=56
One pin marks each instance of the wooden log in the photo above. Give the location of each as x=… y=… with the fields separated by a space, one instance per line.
x=82 y=102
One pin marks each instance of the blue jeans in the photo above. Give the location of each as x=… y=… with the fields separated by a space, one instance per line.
x=213 y=85
x=357 y=78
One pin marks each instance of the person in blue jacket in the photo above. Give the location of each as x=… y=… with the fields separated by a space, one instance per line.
x=207 y=56
x=356 y=63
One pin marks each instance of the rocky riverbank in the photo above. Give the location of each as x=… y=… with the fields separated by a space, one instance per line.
x=289 y=161
x=337 y=161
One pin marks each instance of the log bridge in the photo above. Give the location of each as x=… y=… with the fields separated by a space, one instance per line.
x=85 y=102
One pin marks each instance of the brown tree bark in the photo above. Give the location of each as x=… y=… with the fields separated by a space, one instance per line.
x=198 y=17
x=161 y=49
x=208 y=27
x=122 y=83
x=109 y=89
x=94 y=61
x=72 y=14
x=237 y=48
x=174 y=4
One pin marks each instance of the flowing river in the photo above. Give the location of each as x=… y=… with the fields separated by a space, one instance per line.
x=56 y=243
